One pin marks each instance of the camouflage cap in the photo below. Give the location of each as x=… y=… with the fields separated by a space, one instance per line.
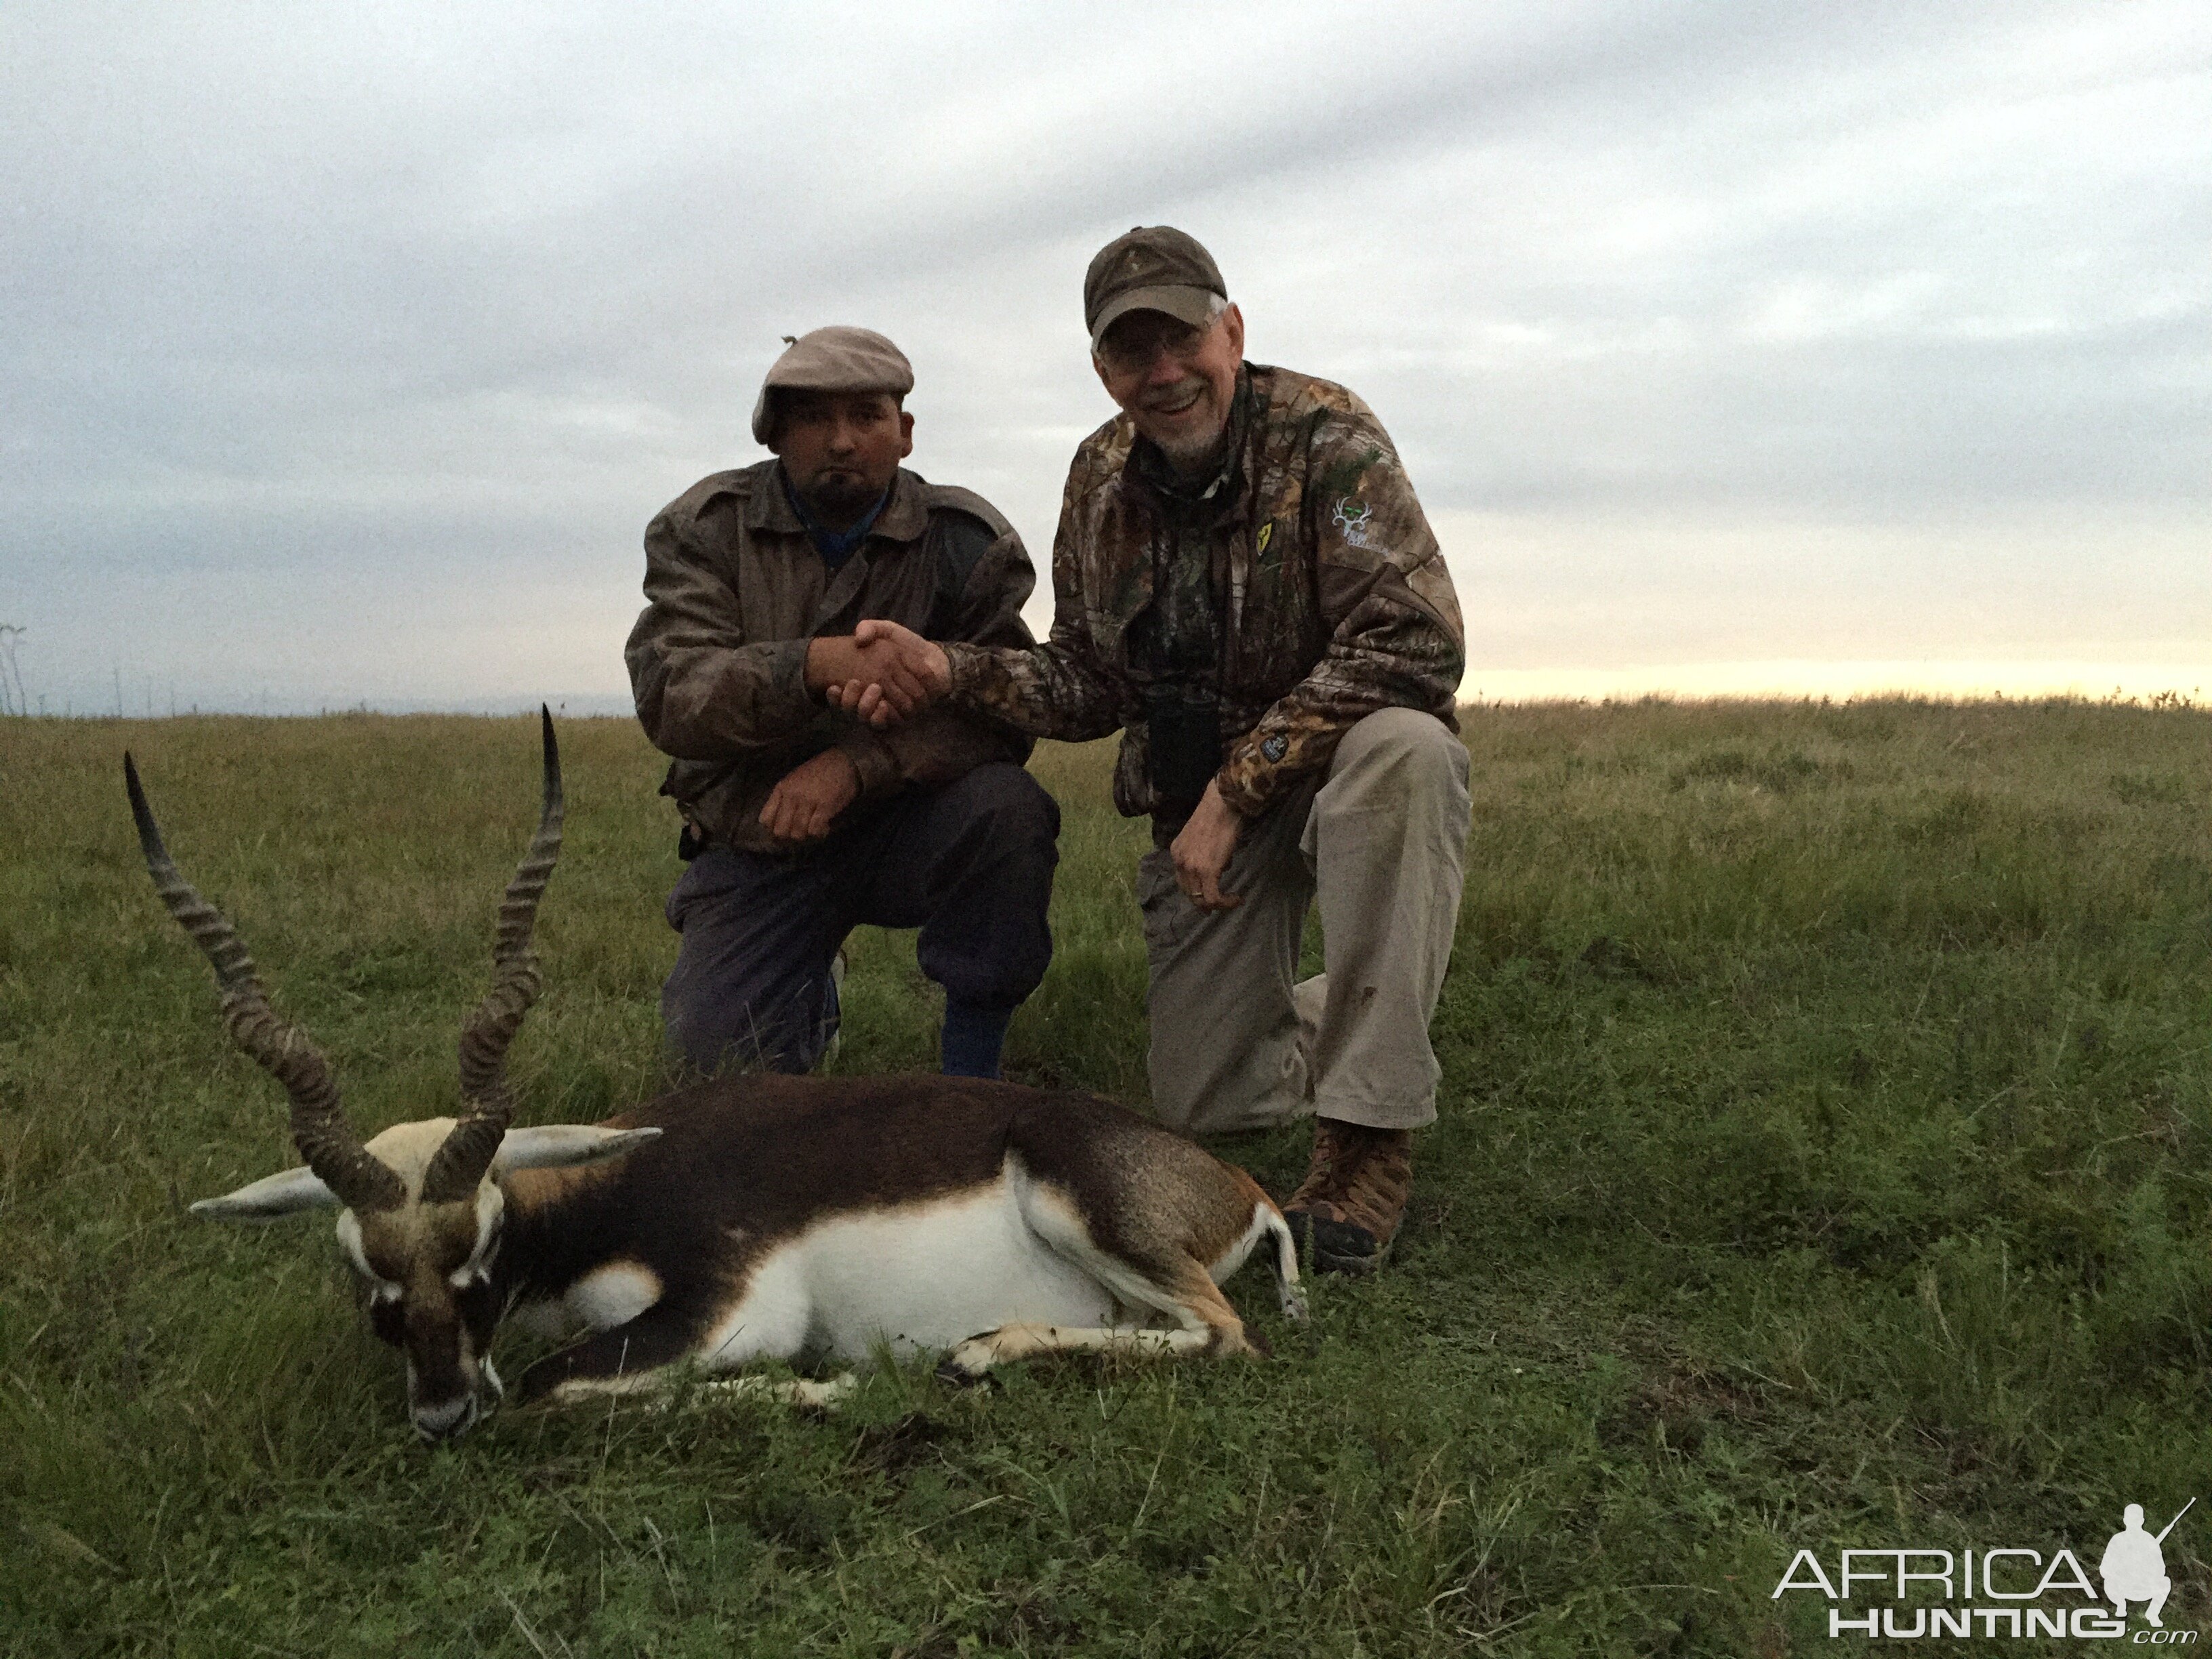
x=1153 y=268
x=832 y=360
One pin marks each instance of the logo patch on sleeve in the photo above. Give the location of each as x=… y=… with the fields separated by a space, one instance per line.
x=1351 y=518
x=1276 y=747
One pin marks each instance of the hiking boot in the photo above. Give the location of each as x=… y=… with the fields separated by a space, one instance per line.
x=1353 y=1196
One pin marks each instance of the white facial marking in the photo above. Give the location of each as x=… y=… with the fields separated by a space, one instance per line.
x=380 y=1289
x=348 y=1230
x=435 y=1420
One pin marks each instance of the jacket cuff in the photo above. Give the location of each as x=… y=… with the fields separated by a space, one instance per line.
x=965 y=660
x=1242 y=794
x=873 y=763
x=794 y=704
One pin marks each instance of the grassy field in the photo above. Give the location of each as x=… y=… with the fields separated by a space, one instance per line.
x=1826 y=1127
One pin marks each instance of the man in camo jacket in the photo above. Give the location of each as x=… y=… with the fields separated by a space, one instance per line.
x=1247 y=589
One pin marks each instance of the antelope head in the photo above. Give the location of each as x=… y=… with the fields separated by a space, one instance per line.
x=421 y=1206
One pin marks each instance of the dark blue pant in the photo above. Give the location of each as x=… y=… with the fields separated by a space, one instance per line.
x=969 y=864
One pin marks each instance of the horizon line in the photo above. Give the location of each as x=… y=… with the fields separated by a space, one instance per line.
x=1770 y=680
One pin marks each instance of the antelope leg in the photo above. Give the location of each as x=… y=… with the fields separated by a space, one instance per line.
x=615 y=1360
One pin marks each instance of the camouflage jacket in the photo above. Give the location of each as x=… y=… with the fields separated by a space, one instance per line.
x=735 y=590
x=1334 y=598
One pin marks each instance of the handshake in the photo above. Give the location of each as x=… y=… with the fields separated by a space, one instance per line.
x=883 y=672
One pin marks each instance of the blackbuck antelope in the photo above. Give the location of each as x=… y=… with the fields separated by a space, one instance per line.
x=745 y=1218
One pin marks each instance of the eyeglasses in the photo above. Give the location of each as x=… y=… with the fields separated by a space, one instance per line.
x=1130 y=350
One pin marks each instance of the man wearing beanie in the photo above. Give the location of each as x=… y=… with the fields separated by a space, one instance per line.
x=1247 y=589
x=800 y=820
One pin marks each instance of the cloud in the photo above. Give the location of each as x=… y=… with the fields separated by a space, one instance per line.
x=412 y=313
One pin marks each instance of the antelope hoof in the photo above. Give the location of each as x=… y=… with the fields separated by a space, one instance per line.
x=824 y=1395
x=967 y=1366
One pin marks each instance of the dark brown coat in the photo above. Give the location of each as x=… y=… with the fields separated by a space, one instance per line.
x=735 y=590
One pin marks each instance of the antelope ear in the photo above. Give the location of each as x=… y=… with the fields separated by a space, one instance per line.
x=271 y=1197
x=561 y=1146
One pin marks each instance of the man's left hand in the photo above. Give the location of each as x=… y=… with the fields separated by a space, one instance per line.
x=1201 y=851
x=805 y=804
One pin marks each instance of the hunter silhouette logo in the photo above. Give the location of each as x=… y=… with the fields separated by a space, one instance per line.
x=2134 y=1567
x=2009 y=1592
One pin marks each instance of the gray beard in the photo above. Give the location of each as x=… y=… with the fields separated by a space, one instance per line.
x=1194 y=458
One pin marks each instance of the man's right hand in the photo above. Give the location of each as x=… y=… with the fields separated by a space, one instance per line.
x=892 y=673
x=882 y=678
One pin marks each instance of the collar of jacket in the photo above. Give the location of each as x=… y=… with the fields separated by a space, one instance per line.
x=1131 y=590
x=904 y=516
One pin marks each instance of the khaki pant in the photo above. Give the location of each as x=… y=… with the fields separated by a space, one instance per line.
x=1235 y=1045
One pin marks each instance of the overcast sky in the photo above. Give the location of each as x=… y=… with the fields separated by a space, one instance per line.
x=345 y=351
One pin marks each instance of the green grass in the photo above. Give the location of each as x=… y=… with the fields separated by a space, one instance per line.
x=1827 y=1127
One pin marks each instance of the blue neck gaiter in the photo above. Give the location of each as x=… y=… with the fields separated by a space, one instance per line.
x=836 y=546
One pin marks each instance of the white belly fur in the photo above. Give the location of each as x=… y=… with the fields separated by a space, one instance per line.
x=922 y=1276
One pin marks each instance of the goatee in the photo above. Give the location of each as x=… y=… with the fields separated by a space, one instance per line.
x=839 y=498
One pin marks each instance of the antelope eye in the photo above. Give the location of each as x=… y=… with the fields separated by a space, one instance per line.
x=476 y=1270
